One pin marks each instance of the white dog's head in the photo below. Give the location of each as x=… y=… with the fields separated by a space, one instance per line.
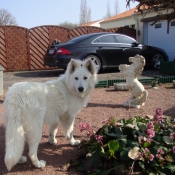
x=81 y=76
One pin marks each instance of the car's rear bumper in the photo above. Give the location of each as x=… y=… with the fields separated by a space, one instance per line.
x=52 y=61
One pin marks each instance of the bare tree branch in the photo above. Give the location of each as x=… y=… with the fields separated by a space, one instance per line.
x=6 y=18
x=85 y=12
x=116 y=8
x=164 y=8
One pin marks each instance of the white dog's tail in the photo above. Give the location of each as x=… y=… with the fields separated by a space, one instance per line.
x=15 y=138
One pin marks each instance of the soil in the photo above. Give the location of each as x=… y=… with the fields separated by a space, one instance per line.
x=103 y=103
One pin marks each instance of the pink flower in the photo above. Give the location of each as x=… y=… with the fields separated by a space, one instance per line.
x=147 y=150
x=159 y=111
x=107 y=121
x=172 y=135
x=158 y=156
x=174 y=149
x=151 y=157
x=160 y=151
x=150 y=133
x=82 y=126
x=99 y=138
x=158 y=117
x=88 y=126
x=150 y=125
x=148 y=140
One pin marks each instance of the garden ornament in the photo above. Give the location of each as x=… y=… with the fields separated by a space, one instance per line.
x=131 y=72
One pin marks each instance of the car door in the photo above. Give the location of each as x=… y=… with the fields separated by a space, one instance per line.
x=108 y=50
x=129 y=48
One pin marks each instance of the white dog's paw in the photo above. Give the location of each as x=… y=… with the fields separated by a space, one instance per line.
x=23 y=159
x=52 y=140
x=41 y=164
x=75 y=142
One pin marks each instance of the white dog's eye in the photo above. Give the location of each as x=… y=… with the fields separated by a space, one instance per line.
x=85 y=78
x=76 y=78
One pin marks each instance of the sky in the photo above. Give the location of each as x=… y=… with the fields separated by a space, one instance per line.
x=33 y=13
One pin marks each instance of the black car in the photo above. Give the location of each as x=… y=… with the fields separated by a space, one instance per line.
x=107 y=50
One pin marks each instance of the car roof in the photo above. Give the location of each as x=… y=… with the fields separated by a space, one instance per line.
x=85 y=36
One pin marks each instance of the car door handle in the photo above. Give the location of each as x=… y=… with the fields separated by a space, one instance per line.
x=101 y=48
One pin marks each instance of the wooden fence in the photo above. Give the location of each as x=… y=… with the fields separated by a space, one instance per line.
x=24 y=49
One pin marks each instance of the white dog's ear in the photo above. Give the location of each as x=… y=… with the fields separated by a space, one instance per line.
x=72 y=66
x=90 y=66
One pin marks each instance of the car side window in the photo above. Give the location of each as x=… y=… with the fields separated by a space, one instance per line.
x=96 y=41
x=107 y=39
x=124 y=39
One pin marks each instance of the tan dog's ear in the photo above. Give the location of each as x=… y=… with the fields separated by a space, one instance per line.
x=90 y=66
x=72 y=66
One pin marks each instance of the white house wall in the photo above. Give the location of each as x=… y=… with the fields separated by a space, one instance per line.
x=159 y=37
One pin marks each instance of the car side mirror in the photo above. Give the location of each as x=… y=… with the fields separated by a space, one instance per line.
x=134 y=44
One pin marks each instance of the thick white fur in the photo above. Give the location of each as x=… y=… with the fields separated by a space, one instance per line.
x=30 y=104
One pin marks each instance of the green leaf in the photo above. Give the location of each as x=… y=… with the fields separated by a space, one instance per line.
x=111 y=135
x=93 y=162
x=168 y=140
x=132 y=144
x=146 y=144
x=104 y=172
x=141 y=164
x=141 y=126
x=170 y=167
x=112 y=121
x=135 y=124
x=117 y=131
x=113 y=147
x=81 y=166
x=75 y=163
x=156 y=127
x=122 y=143
x=124 y=153
x=152 y=163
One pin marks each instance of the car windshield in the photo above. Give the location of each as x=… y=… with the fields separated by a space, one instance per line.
x=77 y=39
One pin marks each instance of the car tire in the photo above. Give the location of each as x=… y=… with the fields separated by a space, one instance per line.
x=97 y=62
x=156 y=60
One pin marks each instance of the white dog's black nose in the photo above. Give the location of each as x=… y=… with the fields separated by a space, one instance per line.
x=81 y=89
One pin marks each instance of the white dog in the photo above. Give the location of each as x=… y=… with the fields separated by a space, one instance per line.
x=30 y=104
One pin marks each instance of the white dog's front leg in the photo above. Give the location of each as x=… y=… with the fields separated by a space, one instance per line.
x=68 y=130
x=73 y=142
x=52 y=133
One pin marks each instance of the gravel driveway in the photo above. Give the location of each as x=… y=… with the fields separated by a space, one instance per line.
x=103 y=103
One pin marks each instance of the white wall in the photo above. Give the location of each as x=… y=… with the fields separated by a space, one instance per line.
x=159 y=37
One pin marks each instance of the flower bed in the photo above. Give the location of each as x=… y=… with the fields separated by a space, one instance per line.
x=138 y=144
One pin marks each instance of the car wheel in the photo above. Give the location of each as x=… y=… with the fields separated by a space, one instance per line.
x=97 y=62
x=156 y=60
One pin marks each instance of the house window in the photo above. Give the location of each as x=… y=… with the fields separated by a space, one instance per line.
x=173 y=23
x=158 y=25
